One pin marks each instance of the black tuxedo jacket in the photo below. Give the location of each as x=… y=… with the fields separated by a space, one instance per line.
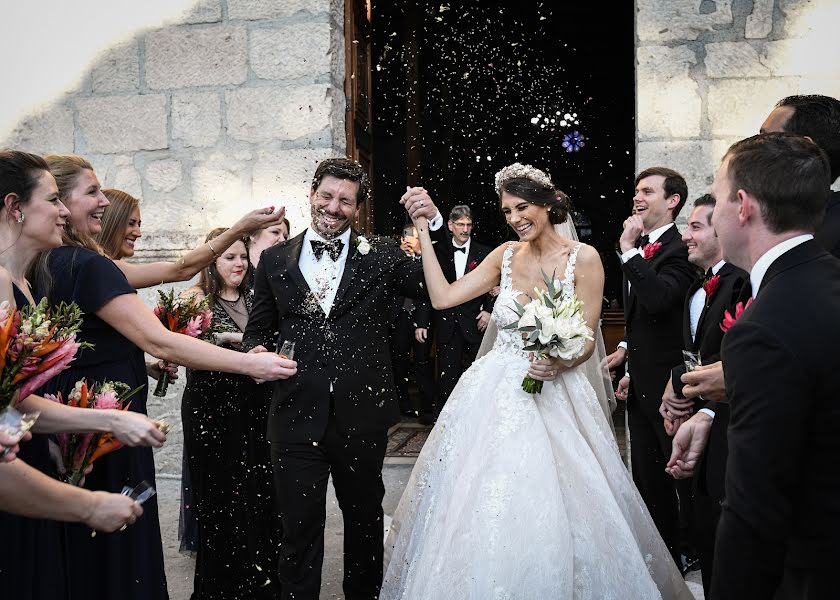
x=463 y=315
x=782 y=506
x=733 y=287
x=828 y=235
x=347 y=349
x=653 y=313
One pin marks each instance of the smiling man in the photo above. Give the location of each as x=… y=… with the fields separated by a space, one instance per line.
x=657 y=276
x=329 y=291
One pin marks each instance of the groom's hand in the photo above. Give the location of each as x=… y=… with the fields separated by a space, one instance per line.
x=419 y=204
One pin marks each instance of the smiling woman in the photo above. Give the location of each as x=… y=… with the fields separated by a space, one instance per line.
x=120 y=224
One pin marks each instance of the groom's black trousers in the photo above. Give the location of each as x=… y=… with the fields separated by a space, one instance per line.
x=301 y=473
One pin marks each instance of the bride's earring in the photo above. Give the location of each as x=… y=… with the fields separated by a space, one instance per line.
x=21 y=218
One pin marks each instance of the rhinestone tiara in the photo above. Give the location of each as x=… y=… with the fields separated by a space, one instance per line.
x=518 y=170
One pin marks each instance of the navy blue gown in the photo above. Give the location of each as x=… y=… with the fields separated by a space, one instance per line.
x=128 y=564
x=32 y=556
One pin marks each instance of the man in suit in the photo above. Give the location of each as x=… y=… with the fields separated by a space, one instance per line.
x=780 y=520
x=458 y=330
x=329 y=290
x=817 y=118
x=657 y=276
x=718 y=289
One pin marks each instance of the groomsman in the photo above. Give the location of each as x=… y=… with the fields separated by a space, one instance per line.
x=657 y=276
x=818 y=118
x=720 y=287
x=458 y=330
x=780 y=520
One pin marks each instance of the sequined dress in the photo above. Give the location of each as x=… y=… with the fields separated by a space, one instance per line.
x=521 y=496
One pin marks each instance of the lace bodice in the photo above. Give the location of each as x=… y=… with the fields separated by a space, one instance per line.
x=509 y=339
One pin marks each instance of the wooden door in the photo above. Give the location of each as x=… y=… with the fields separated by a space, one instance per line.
x=358 y=91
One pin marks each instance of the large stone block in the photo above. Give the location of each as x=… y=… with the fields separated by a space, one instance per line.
x=204 y=11
x=117 y=171
x=118 y=70
x=733 y=59
x=112 y=124
x=271 y=114
x=254 y=10
x=813 y=56
x=760 y=20
x=737 y=107
x=179 y=57
x=196 y=118
x=695 y=161
x=810 y=18
x=674 y=20
x=221 y=186
x=668 y=98
x=164 y=175
x=298 y=50
x=48 y=131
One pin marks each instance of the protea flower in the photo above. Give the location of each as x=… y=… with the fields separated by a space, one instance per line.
x=728 y=320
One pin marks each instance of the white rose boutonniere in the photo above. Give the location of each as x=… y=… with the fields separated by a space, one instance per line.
x=362 y=245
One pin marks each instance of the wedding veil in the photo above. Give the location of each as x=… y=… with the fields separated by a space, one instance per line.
x=595 y=367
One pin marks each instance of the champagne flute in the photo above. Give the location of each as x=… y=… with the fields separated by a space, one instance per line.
x=691 y=360
x=287 y=350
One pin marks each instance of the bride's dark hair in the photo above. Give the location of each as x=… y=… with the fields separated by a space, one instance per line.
x=539 y=194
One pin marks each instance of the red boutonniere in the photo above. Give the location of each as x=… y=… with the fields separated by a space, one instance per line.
x=473 y=264
x=650 y=250
x=729 y=320
x=710 y=286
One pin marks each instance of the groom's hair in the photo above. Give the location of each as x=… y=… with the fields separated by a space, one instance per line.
x=674 y=184
x=788 y=174
x=343 y=168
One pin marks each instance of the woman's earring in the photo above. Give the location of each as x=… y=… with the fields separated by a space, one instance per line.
x=21 y=218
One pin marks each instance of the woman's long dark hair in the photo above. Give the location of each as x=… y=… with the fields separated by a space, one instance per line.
x=209 y=279
x=541 y=195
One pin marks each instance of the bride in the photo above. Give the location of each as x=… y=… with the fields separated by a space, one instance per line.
x=517 y=495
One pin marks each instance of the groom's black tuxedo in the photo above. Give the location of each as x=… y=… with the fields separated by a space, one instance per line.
x=780 y=520
x=332 y=417
x=653 y=313
x=733 y=287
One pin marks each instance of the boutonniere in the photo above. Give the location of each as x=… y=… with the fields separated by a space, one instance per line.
x=729 y=320
x=650 y=250
x=362 y=245
x=710 y=286
x=473 y=264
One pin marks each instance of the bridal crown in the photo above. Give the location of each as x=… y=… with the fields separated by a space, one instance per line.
x=520 y=171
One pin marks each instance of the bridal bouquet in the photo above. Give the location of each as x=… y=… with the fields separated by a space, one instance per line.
x=552 y=326
x=36 y=343
x=78 y=450
x=181 y=315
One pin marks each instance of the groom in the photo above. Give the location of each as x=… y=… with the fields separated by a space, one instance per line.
x=329 y=291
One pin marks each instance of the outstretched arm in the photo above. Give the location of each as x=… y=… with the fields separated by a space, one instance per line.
x=142 y=275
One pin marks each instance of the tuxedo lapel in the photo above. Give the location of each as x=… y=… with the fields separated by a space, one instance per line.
x=292 y=260
x=724 y=272
x=687 y=340
x=794 y=257
x=664 y=239
x=354 y=257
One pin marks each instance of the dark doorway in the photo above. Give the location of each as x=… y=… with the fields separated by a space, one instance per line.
x=461 y=89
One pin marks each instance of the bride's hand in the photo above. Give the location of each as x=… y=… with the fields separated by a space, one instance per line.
x=419 y=205
x=545 y=369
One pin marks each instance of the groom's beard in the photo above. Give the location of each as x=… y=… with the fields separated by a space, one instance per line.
x=342 y=223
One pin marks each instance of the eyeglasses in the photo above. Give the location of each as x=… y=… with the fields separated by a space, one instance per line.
x=463 y=225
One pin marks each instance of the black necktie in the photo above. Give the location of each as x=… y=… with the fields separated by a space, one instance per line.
x=643 y=241
x=709 y=274
x=461 y=249
x=333 y=248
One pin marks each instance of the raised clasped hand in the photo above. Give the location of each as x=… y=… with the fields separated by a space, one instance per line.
x=633 y=228
x=419 y=205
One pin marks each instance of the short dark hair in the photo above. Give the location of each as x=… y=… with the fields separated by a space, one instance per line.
x=459 y=212
x=706 y=200
x=788 y=175
x=818 y=117
x=19 y=173
x=674 y=184
x=343 y=168
x=540 y=194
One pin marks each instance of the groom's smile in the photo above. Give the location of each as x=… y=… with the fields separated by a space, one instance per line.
x=333 y=206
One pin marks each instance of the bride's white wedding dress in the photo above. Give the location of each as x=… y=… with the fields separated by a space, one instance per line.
x=521 y=496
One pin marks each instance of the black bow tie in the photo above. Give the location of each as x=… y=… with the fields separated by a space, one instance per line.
x=461 y=249
x=643 y=240
x=333 y=248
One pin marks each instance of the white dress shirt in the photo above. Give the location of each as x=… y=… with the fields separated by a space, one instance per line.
x=461 y=258
x=698 y=302
x=760 y=267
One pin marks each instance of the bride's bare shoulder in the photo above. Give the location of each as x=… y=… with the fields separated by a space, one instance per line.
x=588 y=259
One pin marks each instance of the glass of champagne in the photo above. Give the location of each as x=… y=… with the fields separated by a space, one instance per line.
x=287 y=350
x=691 y=360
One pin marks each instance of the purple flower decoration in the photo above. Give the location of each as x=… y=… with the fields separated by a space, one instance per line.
x=573 y=142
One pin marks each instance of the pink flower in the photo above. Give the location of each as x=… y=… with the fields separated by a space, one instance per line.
x=710 y=286
x=650 y=250
x=206 y=318
x=473 y=264
x=107 y=400
x=728 y=320
x=194 y=326
x=157 y=310
x=81 y=450
x=63 y=356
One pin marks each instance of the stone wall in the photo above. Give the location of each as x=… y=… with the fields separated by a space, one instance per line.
x=709 y=72
x=226 y=108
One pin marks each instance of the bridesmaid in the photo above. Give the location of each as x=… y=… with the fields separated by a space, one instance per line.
x=262 y=240
x=32 y=553
x=128 y=565
x=227 y=451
